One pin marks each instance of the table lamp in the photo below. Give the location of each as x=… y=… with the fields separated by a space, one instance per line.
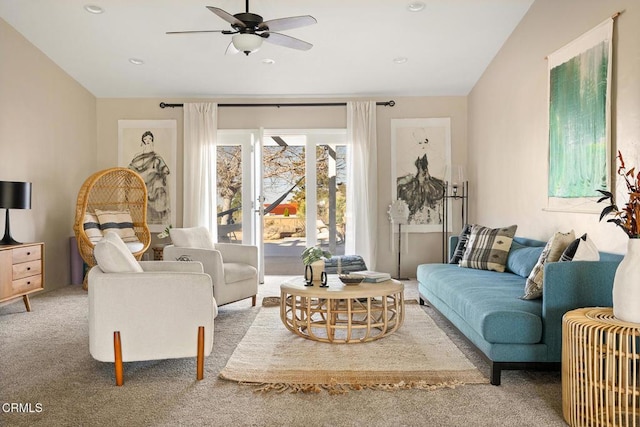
x=13 y=195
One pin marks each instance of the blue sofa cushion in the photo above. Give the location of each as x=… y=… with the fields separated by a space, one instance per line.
x=522 y=258
x=489 y=301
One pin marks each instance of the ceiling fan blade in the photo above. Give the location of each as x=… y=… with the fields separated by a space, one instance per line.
x=286 y=41
x=195 y=31
x=287 y=23
x=235 y=22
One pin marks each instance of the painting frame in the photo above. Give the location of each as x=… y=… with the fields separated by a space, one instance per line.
x=417 y=144
x=155 y=161
x=579 y=121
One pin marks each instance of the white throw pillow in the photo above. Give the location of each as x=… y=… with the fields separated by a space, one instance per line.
x=113 y=256
x=581 y=249
x=194 y=237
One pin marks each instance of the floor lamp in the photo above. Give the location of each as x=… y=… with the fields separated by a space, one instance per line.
x=459 y=192
x=13 y=195
x=398 y=214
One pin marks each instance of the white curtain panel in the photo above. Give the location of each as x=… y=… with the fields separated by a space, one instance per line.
x=199 y=191
x=362 y=188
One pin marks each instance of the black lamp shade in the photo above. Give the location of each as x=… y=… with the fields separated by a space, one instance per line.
x=15 y=195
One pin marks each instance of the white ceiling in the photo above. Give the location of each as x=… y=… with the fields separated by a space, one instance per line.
x=448 y=46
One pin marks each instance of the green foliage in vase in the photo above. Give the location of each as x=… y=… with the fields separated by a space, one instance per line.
x=313 y=254
x=165 y=233
x=627 y=217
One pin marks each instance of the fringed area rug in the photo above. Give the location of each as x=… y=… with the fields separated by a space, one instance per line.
x=418 y=355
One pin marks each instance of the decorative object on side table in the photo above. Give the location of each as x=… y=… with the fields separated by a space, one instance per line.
x=626 y=284
x=13 y=195
x=313 y=259
x=349 y=279
x=158 y=249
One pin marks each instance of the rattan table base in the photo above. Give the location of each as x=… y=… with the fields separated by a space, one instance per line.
x=342 y=314
x=600 y=369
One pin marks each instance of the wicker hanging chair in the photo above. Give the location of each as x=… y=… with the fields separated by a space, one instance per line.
x=115 y=189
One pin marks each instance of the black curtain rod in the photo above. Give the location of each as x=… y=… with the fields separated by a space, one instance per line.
x=299 y=104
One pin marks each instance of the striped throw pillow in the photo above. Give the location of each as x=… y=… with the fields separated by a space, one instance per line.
x=91 y=228
x=462 y=245
x=118 y=221
x=488 y=248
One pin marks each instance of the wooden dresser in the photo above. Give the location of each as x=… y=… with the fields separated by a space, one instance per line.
x=21 y=271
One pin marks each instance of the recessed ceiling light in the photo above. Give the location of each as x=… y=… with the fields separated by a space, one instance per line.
x=268 y=61
x=136 y=61
x=400 y=60
x=92 y=8
x=415 y=6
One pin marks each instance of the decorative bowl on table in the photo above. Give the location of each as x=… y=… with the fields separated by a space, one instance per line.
x=348 y=279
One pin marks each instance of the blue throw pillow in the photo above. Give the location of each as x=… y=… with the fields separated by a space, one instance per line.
x=522 y=258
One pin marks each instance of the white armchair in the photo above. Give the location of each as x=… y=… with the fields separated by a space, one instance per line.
x=232 y=267
x=148 y=310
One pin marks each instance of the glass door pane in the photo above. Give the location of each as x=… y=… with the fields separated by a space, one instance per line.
x=229 y=179
x=234 y=172
x=331 y=176
x=284 y=203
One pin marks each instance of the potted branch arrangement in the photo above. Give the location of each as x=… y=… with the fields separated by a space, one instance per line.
x=626 y=283
x=313 y=259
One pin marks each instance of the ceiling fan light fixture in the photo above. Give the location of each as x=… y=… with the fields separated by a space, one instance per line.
x=416 y=6
x=92 y=8
x=246 y=42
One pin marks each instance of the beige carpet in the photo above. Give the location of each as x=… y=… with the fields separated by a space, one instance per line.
x=418 y=355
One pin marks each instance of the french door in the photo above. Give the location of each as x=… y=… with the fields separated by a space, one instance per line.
x=282 y=190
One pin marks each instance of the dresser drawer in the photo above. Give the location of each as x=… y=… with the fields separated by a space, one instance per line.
x=26 y=269
x=26 y=284
x=27 y=253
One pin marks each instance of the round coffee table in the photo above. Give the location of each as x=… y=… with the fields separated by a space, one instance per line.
x=342 y=313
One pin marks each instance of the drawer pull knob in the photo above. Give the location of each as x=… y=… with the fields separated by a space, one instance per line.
x=28 y=283
x=28 y=268
x=28 y=253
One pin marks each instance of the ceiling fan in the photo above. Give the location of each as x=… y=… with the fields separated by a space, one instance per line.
x=250 y=30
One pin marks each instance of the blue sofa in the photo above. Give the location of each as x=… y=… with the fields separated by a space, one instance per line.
x=510 y=332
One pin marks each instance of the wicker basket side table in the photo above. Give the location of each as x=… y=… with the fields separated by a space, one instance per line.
x=600 y=369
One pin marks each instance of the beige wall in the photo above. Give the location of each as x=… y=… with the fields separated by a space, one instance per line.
x=55 y=133
x=422 y=247
x=48 y=137
x=508 y=118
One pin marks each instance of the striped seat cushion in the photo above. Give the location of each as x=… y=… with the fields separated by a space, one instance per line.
x=118 y=221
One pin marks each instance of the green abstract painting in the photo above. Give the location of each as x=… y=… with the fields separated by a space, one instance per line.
x=578 y=134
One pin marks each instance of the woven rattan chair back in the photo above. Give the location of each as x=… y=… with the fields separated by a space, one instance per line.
x=112 y=189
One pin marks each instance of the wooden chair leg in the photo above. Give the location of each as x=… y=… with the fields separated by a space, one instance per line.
x=117 y=348
x=200 y=357
x=253 y=301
